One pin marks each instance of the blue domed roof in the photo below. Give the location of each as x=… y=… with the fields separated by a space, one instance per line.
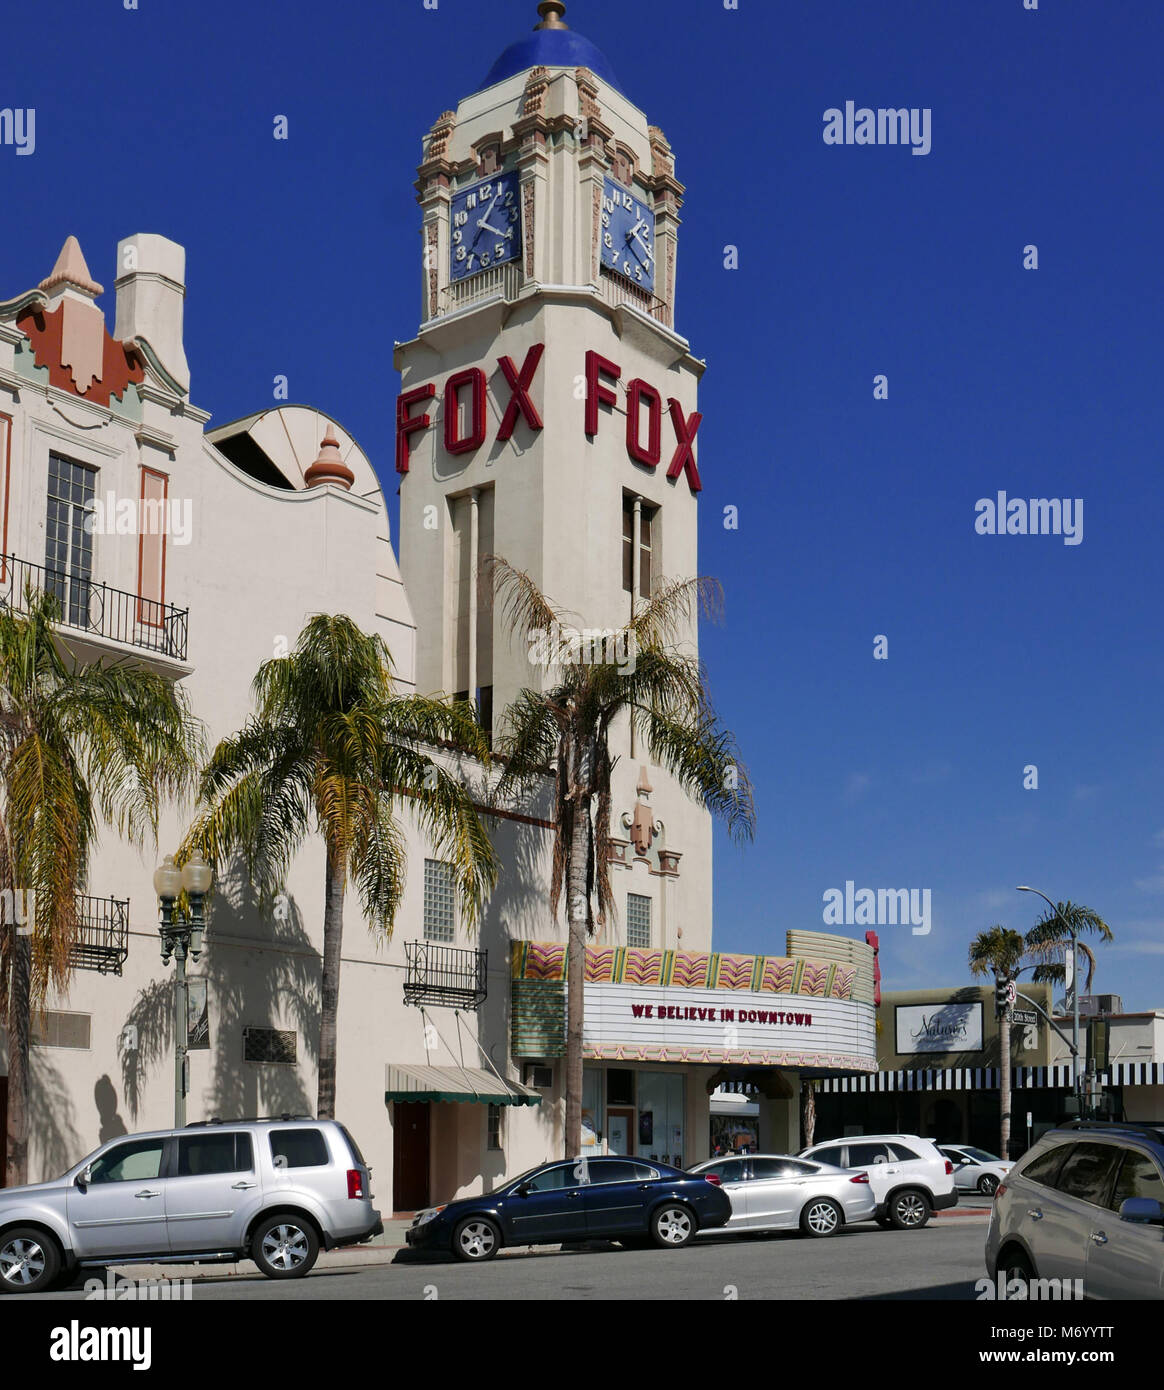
x=551 y=48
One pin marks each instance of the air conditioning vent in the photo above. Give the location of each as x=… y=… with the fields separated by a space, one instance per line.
x=540 y=1078
x=1092 y=1004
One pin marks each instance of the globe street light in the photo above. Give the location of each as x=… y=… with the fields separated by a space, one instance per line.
x=181 y=935
x=1075 y=1079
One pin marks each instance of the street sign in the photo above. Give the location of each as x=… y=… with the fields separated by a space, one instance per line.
x=1024 y=1016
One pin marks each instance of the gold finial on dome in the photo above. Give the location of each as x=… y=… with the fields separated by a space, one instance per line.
x=552 y=12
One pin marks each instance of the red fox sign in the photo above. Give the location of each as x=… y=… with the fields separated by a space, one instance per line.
x=464 y=430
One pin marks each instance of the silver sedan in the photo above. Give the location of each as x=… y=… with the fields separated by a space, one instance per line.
x=776 y=1192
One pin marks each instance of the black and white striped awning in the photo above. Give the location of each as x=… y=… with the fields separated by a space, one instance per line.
x=953 y=1079
x=1136 y=1074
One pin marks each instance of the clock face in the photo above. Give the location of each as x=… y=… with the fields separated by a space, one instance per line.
x=485 y=227
x=628 y=236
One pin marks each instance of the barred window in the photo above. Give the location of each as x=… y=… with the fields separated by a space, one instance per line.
x=638 y=920
x=270 y=1045
x=439 y=918
x=56 y=1029
x=495 y=1113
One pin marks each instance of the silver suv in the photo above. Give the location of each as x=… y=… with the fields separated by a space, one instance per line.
x=1085 y=1204
x=274 y=1191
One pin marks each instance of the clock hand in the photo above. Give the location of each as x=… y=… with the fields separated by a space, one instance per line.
x=644 y=245
x=484 y=222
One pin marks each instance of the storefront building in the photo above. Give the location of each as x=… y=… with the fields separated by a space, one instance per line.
x=664 y=1030
x=938 y=1069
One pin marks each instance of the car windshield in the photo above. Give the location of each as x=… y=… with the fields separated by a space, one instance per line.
x=981 y=1156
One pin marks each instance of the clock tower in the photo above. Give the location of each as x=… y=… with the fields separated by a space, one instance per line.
x=548 y=414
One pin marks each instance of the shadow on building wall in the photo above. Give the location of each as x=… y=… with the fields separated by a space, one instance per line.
x=55 y=1143
x=262 y=971
x=111 y=1123
x=518 y=910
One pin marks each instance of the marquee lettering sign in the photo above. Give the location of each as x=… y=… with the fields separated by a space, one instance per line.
x=717 y=1025
x=644 y=413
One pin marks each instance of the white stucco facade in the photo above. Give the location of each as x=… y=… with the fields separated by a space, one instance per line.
x=579 y=491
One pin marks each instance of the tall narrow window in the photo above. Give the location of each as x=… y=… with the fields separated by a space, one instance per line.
x=68 y=547
x=439 y=919
x=645 y=541
x=638 y=920
x=151 y=547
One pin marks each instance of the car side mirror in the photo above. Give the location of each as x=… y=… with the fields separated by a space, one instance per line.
x=1141 y=1210
x=521 y=1190
x=84 y=1178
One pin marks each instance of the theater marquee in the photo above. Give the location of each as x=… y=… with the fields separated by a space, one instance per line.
x=694 y=1025
x=678 y=1006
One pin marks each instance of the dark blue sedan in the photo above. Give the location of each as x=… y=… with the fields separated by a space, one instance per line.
x=624 y=1199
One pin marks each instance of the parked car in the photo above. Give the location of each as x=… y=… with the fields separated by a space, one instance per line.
x=630 y=1200
x=273 y=1191
x=909 y=1177
x=776 y=1192
x=1086 y=1203
x=975 y=1170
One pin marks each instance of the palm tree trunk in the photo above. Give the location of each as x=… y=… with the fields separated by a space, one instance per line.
x=576 y=976
x=19 y=1023
x=1004 y=1084
x=333 y=935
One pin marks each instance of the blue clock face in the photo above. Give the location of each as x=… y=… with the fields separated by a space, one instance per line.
x=485 y=226
x=628 y=236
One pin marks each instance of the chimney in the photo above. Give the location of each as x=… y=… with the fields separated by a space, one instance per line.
x=151 y=285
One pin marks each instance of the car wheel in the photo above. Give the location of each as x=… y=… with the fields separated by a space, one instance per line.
x=909 y=1210
x=1013 y=1264
x=285 y=1247
x=821 y=1218
x=672 y=1226
x=29 y=1261
x=476 y=1239
x=988 y=1184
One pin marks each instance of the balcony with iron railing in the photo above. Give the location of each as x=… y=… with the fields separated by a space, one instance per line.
x=97 y=609
x=444 y=975
x=102 y=941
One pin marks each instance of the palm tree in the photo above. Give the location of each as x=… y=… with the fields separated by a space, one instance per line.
x=1000 y=952
x=565 y=730
x=1049 y=941
x=333 y=750
x=80 y=746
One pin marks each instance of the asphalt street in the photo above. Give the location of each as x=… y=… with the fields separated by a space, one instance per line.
x=941 y=1261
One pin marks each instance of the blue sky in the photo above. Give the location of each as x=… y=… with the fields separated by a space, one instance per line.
x=856 y=516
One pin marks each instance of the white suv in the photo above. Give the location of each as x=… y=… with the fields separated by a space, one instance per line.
x=910 y=1178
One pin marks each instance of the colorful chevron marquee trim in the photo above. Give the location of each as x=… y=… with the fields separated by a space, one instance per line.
x=755 y=1057
x=632 y=965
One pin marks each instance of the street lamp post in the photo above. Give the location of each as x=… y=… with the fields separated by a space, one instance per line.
x=1075 y=1078
x=181 y=936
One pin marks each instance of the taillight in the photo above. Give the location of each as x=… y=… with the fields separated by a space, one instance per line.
x=355 y=1183
x=713 y=1178
x=949 y=1168
x=1000 y=1189
x=860 y=1177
